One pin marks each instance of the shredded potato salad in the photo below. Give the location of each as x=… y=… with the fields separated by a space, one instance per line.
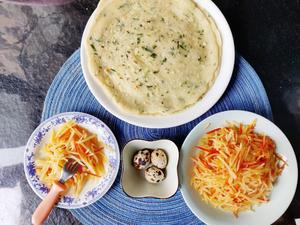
x=235 y=168
x=71 y=141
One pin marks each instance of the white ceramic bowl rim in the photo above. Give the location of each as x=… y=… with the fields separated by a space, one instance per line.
x=191 y=113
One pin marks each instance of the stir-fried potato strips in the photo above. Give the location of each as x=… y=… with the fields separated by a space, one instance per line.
x=71 y=141
x=235 y=167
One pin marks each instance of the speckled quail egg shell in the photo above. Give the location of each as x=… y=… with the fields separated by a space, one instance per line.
x=154 y=175
x=159 y=158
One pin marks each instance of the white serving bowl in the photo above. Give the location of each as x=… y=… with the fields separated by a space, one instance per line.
x=189 y=114
x=134 y=183
x=283 y=190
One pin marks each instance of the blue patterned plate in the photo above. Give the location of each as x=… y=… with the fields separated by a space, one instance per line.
x=94 y=189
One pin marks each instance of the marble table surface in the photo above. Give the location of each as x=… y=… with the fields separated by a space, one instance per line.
x=36 y=40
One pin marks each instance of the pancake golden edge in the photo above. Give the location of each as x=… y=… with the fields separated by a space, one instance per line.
x=153 y=57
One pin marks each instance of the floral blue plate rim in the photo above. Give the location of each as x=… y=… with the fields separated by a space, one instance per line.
x=103 y=132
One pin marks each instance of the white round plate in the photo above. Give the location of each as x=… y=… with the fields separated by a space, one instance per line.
x=93 y=189
x=191 y=113
x=282 y=193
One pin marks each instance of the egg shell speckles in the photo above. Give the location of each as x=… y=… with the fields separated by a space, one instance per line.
x=141 y=159
x=154 y=175
x=159 y=158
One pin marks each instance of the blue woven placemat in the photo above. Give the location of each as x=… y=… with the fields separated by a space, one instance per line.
x=69 y=92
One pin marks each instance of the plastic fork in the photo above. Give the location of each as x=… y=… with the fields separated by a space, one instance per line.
x=43 y=210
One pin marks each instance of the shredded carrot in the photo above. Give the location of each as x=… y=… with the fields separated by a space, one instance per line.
x=210 y=151
x=238 y=164
x=213 y=131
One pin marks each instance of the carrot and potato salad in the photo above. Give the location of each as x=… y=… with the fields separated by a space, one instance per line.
x=235 y=167
x=71 y=141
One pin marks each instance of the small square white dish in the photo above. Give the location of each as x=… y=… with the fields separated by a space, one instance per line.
x=133 y=181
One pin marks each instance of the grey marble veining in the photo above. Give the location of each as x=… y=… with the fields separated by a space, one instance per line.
x=34 y=43
x=36 y=40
